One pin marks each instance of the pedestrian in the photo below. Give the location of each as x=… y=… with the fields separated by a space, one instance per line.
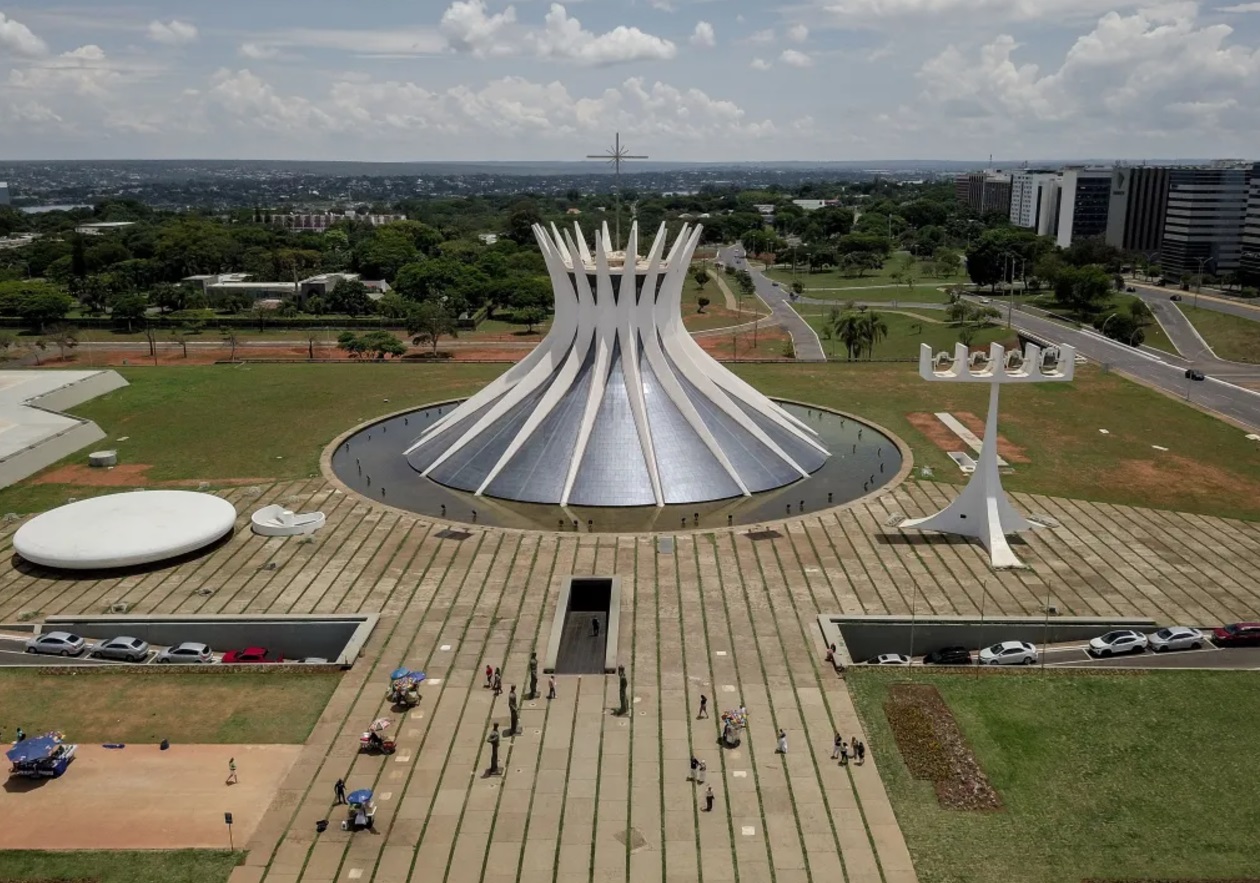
x=708 y=799
x=339 y=791
x=493 y=739
x=782 y=749
x=489 y=676
x=853 y=747
x=594 y=626
x=21 y=736
x=831 y=654
x=695 y=765
x=231 y=779
x=701 y=771
x=515 y=710
x=704 y=707
x=844 y=753
x=861 y=753
x=551 y=687
x=498 y=682
x=838 y=744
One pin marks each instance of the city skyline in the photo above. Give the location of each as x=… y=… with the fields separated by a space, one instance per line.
x=688 y=80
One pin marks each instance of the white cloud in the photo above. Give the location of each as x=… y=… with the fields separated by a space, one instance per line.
x=396 y=42
x=760 y=64
x=1242 y=7
x=798 y=33
x=470 y=29
x=564 y=38
x=258 y=51
x=172 y=33
x=763 y=36
x=795 y=58
x=17 y=38
x=703 y=36
x=866 y=12
x=246 y=97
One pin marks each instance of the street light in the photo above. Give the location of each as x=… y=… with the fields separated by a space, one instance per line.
x=1103 y=329
x=1199 y=285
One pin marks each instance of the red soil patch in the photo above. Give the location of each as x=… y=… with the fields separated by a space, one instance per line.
x=940 y=435
x=126 y=475
x=1156 y=477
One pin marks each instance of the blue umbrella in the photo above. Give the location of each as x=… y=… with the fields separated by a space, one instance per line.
x=35 y=748
x=363 y=795
x=399 y=673
x=417 y=675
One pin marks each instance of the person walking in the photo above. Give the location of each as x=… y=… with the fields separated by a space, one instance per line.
x=489 y=676
x=704 y=707
x=551 y=687
x=498 y=683
x=594 y=626
x=339 y=792
x=838 y=743
x=853 y=747
x=231 y=779
x=861 y=753
x=695 y=765
x=701 y=772
x=708 y=799
x=844 y=753
x=782 y=749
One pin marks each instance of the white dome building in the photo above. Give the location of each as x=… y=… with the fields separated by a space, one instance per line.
x=618 y=405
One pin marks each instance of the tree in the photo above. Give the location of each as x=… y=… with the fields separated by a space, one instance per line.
x=849 y=329
x=522 y=217
x=873 y=330
x=180 y=334
x=350 y=296
x=430 y=322
x=66 y=337
x=129 y=308
x=42 y=307
x=351 y=343
x=94 y=292
x=382 y=344
x=312 y=336
x=798 y=287
x=7 y=339
x=1082 y=289
x=701 y=303
x=260 y=314
x=78 y=257
x=167 y=297
x=701 y=275
x=966 y=335
x=232 y=338
x=393 y=306
x=531 y=316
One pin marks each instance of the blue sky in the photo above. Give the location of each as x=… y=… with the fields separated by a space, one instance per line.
x=681 y=79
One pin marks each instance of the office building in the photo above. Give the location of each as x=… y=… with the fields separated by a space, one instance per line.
x=1249 y=261
x=984 y=192
x=1035 y=201
x=1084 y=200
x=1139 y=202
x=1203 y=226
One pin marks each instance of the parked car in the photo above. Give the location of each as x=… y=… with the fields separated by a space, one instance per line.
x=1175 y=296
x=1009 y=653
x=1131 y=289
x=1177 y=637
x=889 y=659
x=251 y=654
x=949 y=656
x=56 y=644
x=1238 y=634
x=1118 y=641
x=315 y=660
x=124 y=648
x=188 y=653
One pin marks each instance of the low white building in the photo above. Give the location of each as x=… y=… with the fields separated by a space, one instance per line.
x=98 y=228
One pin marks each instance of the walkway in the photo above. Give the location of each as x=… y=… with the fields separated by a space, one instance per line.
x=805 y=342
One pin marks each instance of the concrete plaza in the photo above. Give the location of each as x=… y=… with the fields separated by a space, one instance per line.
x=587 y=796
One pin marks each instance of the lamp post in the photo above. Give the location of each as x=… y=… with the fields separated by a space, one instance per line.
x=1103 y=330
x=1199 y=285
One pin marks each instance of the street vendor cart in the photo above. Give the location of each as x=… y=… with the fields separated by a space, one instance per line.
x=374 y=739
x=360 y=811
x=733 y=724
x=41 y=757
x=404 y=687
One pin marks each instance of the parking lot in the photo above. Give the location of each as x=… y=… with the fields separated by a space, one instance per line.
x=1077 y=655
x=13 y=652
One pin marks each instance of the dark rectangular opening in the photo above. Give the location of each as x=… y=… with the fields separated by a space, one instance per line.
x=584 y=637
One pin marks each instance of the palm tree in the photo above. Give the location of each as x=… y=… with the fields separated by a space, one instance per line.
x=873 y=330
x=849 y=329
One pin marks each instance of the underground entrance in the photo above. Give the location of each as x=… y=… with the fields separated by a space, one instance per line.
x=585 y=630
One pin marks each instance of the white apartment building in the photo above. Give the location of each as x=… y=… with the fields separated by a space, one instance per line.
x=1035 y=201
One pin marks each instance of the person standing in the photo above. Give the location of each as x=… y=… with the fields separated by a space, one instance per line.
x=701 y=772
x=704 y=707
x=339 y=792
x=844 y=753
x=514 y=710
x=533 y=675
x=493 y=739
x=21 y=736
x=231 y=779
x=861 y=753
x=498 y=683
x=708 y=799
x=695 y=765
x=489 y=676
x=853 y=747
x=837 y=743
x=782 y=749
x=551 y=687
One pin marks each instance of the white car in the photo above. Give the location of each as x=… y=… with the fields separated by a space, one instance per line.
x=56 y=644
x=1177 y=637
x=188 y=652
x=889 y=659
x=1009 y=653
x=125 y=648
x=1118 y=641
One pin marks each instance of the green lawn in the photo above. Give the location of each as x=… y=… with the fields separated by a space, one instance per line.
x=220 y=708
x=1101 y=776
x=1231 y=337
x=123 y=866
x=920 y=294
x=906 y=333
x=836 y=279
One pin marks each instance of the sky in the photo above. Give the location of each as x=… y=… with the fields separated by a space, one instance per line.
x=683 y=80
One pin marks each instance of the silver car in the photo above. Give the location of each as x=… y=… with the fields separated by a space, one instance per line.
x=189 y=653
x=56 y=644
x=124 y=648
x=1177 y=637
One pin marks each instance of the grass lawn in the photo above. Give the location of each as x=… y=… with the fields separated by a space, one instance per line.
x=1231 y=337
x=905 y=333
x=1100 y=776
x=836 y=279
x=1211 y=468
x=920 y=294
x=271 y=708
x=124 y=866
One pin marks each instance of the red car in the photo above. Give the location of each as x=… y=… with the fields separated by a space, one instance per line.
x=250 y=654
x=1239 y=634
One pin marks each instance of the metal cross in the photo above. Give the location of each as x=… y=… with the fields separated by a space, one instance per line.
x=615 y=157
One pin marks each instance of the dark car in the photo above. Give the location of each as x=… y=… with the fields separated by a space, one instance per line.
x=949 y=656
x=1175 y=297
x=1238 y=634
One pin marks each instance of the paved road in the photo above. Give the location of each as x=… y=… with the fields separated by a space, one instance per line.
x=804 y=339
x=1234 y=306
x=1166 y=372
x=1193 y=348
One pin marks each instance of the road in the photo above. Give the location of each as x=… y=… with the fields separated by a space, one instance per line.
x=1186 y=338
x=805 y=340
x=1233 y=306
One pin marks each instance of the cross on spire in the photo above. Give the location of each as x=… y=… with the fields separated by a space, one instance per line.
x=615 y=156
